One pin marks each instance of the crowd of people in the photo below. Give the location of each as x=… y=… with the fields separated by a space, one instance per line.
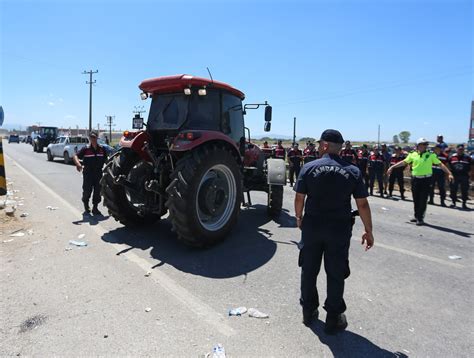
x=374 y=162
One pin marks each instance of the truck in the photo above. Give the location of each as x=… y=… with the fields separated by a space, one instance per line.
x=194 y=161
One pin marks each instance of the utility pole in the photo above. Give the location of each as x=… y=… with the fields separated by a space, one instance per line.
x=378 y=138
x=90 y=83
x=110 y=123
x=294 y=131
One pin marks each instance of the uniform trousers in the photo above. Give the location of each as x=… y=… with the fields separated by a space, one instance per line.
x=420 y=188
x=328 y=239
x=91 y=183
x=397 y=174
x=375 y=173
x=459 y=181
x=294 y=169
x=439 y=180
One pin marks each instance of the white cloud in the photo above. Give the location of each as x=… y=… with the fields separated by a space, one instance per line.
x=51 y=104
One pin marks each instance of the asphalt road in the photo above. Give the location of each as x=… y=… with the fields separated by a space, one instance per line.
x=405 y=297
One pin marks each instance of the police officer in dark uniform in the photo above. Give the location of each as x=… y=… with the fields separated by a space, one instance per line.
x=93 y=158
x=396 y=174
x=294 y=160
x=280 y=152
x=362 y=161
x=349 y=154
x=460 y=164
x=326 y=228
x=439 y=178
x=376 y=169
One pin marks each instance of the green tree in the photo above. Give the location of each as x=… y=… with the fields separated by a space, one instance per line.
x=307 y=139
x=404 y=136
x=395 y=139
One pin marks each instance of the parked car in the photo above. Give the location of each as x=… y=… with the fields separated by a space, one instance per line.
x=14 y=138
x=66 y=147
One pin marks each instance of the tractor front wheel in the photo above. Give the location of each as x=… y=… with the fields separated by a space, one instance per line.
x=204 y=195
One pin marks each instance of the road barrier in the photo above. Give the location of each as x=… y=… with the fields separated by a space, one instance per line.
x=3 y=179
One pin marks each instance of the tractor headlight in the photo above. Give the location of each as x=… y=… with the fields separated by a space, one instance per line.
x=202 y=92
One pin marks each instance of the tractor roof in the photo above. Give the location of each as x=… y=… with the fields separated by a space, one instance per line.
x=177 y=83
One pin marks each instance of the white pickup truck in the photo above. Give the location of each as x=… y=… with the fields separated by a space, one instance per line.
x=65 y=147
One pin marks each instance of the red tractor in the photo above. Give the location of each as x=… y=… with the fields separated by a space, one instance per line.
x=192 y=161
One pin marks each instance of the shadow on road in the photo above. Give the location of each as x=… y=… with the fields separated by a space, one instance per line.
x=90 y=219
x=246 y=249
x=447 y=229
x=349 y=344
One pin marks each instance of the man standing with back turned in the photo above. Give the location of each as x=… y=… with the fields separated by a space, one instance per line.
x=326 y=228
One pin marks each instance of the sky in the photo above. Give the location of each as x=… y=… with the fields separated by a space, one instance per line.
x=349 y=65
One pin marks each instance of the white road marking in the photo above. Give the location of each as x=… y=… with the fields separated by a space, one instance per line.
x=193 y=303
x=412 y=253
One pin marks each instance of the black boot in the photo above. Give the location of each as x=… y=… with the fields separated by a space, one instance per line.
x=431 y=201
x=95 y=210
x=309 y=316
x=464 y=205
x=443 y=203
x=335 y=323
x=87 y=209
x=403 y=196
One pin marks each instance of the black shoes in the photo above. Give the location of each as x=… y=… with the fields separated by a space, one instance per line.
x=414 y=220
x=419 y=223
x=309 y=316
x=431 y=202
x=464 y=206
x=453 y=205
x=96 y=211
x=335 y=324
x=87 y=209
x=443 y=203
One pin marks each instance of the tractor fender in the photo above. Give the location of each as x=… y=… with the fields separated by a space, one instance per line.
x=136 y=144
x=181 y=146
x=276 y=171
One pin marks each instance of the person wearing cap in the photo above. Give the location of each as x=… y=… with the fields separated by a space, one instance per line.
x=327 y=185
x=397 y=174
x=362 y=161
x=421 y=171
x=93 y=158
x=280 y=152
x=439 y=179
x=294 y=160
x=387 y=157
x=440 y=141
x=460 y=164
x=376 y=170
x=310 y=153
x=348 y=154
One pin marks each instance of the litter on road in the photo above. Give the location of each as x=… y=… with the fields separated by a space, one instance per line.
x=385 y=209
x=455 y=257
x=239 y=311
x=10 y=211
x=5 y=241
x=148 y=309
x=30 y=232
x=18 y=234
x=24 y=215
x=49 y=207
x=148 y=274
x=81 y=236
x=77 y=243
x=218 y=351
x=257 y=314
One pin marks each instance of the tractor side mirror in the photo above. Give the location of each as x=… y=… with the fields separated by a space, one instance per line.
x=267 y=126
x=268 y=113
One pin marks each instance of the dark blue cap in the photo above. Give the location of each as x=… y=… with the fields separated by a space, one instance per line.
x=332 y=135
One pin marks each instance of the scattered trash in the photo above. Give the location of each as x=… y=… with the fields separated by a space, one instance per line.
x=411 y=329
x=455 y=257
x=81 y=236
x=10 y=240
x=106 y=336
x=10 y=211
x=218 y=351
x=406 y=351
x=385 y=209
x=24 y=215
x=68 y=249
x=30 y=232
x=239 y=311
x=148 y=309
x=148 y=273
x=77 y=243
x=49 y=207
x=18 y=234
x=257 y=314
x=368 y=299
x=32 y=323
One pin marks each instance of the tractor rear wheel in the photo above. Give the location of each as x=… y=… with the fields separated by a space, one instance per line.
x=123 y=204
x=205 y=195
x=275 y=200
